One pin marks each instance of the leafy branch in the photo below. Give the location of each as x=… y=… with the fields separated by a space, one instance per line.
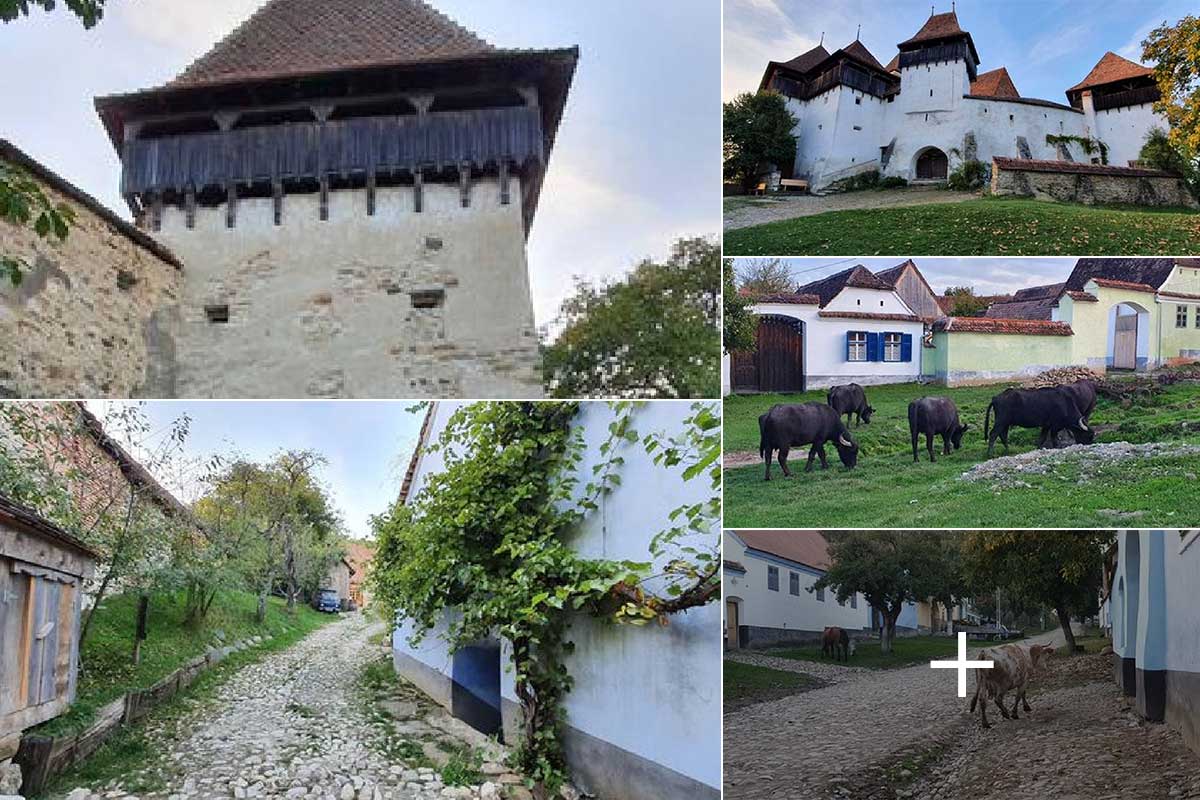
x=23 y=202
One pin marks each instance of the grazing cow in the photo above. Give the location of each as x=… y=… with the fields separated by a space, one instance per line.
x=1083 y=392
x=787 y=426
x=850 y=399
x=934 y=416
x=1049 y=409
x=1013 y=668
x=834 y=638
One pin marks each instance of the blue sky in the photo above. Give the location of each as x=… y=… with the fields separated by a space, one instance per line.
x=367 y=444
x=634 y=166
x=1047 y=45
x=986 y=275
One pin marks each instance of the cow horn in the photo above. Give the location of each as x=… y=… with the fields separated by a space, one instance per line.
x=1082 y=424
x=842 y=441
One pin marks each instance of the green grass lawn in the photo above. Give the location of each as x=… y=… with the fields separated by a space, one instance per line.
x=987 y=226
x=747 y=684
x=906 y=651
x=109 y=672
x=888 y=490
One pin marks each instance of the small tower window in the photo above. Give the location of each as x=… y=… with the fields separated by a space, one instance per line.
x=431 y=298
x=217 y=314
x=858 y=101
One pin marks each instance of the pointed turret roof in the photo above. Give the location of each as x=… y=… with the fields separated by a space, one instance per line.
x=858 y=50
x=994 y=83
x=808 y=60
x=938 y=26
x=1109 y=69
x=291 y=37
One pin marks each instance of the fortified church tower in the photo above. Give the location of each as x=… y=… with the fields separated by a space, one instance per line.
x=349 y=186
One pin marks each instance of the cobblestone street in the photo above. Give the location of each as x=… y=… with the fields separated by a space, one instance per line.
x=294 y=725
x=879 y=735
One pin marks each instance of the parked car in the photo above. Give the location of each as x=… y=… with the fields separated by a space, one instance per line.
x=326 y=600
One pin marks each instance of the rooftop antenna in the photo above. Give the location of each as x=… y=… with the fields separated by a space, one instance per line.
x=951 y=6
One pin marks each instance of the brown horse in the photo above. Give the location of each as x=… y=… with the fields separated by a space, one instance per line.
x=834 y=638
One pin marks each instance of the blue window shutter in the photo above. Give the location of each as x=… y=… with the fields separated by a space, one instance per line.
x=873 y=353
x=848 y=345
x=906 y=347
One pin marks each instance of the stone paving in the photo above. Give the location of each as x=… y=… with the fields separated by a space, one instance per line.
x=882 y=735
x=295 y=726
x=791 y=206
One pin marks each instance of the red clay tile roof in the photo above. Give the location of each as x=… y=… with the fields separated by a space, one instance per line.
x=808 y=60
x=1073 y=167
x=1145 y=271
x=995 y=83
x=789 y=299
x=1181 y=295
x=894 y=64
x=829 y=288
x=411 y=473
x=1083 y=297
x=938 y=26
x=868 y=315
x=1028 y=327
x=803 y=547
x=289 y=37
x=946 y=304
x=859 y=51
x=1128 y=285
x=1110 y=69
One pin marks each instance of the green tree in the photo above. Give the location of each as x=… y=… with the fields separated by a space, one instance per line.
x=757 y=133
x=1059 y=569
x=739 y=322
x=761 y=276
x=891 y=569
x=966 y=302
x=24 y=203
x=653 y=334
x=88 y=11
x=1159 y=152
x=1175 y=51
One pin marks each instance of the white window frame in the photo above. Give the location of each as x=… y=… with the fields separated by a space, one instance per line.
x=854 y=347
x=898 y=345
x=1181 y=315
x=820 y=595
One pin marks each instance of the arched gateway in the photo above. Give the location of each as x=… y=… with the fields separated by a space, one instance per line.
x=932 y=165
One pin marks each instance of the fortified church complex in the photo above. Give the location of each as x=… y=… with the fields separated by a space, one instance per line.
x=930 y=109
x=332 y=202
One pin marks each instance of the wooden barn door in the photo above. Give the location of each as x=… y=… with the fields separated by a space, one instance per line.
x=731 y=625
x=777 y=365
x=1125 y=342
x=932 y=165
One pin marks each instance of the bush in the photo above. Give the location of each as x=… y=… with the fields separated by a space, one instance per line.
x=892 y=182
x=1159 y=153
x=967 y=176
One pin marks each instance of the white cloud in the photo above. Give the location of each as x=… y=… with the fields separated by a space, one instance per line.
x=188 y=26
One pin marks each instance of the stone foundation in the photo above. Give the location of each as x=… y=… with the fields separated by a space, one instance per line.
x=1090 y=184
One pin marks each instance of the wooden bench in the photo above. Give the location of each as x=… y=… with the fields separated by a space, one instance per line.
x=789 y=184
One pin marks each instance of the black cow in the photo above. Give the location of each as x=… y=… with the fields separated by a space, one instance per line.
x=935 y=416
x=1083 y=392
x=1050 y=409
x=850 y=399
x=787 y=426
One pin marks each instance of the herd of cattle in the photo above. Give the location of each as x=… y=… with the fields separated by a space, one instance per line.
x=1050 y=409
x=1014 y=666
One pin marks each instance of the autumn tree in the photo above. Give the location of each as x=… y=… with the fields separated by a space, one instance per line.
x=1175 y=52
x=757 y=132
x=761 y=276
x=891 y=569
x=739 y=322
x=1059 y=569
x=966 y=302
x=653 y=334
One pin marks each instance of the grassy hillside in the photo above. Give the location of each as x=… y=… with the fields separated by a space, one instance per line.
x=1087 y=488
x=988 y=226
x=108 y=669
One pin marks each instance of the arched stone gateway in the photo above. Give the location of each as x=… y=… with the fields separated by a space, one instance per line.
x=931 y=165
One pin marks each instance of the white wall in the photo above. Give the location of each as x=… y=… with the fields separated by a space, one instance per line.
x=322 y=308
x=1124 y=130
x=1182 y=576
x=761 y=607
x=651 y=691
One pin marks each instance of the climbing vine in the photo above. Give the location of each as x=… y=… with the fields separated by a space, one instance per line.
x=1088 y=146
x=484 y=549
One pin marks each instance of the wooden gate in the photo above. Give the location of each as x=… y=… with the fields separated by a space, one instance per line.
x=777 y=364
x=731 y=625
x=1125 y=338
x=932 y=165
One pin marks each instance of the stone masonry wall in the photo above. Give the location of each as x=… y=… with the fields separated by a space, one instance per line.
x=334 y=308
x=95 y=316
x=1134 y=187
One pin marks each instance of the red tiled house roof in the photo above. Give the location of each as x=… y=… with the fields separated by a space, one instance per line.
x=995 y=83
x=1110 y=69
x=789 y=299
x=803 y=547
x=1129 y=285
x=1036 y=165
x=1029 y=327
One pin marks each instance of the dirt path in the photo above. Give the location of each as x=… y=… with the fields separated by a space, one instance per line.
x=905 y=734
x=291 y=726
x=789 y=207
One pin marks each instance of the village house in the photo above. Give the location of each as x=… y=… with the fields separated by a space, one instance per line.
x=640 y=694
x=855 y=326
x=338 y=578
x=334 y=201
x=1156 y=626
x=931 y=108
x=359 y=554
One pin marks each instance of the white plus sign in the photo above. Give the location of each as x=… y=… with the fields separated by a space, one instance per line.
x=961 y=664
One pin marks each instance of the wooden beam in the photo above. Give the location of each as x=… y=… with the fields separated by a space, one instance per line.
x=190 y=206
x=26 y=643
x=418 y=190
x=156 y=209
x=277 y=200
x=324 y=198
x=371 y=193
x=464 y=184
x=505 y=192
x=230 y=204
